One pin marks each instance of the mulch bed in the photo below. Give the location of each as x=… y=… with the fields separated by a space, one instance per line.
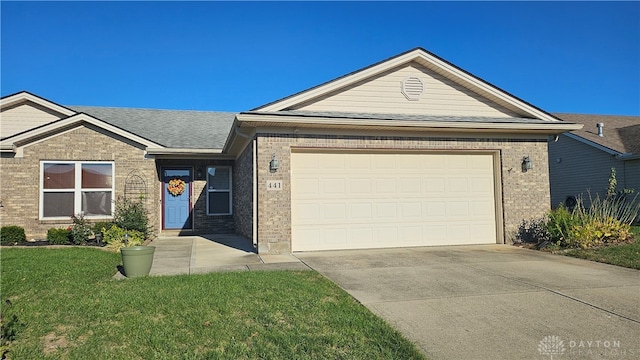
x=45 y=243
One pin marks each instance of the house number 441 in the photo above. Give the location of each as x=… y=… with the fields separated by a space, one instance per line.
x=274 y=185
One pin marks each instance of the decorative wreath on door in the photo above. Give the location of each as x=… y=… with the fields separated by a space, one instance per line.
x=176 y=187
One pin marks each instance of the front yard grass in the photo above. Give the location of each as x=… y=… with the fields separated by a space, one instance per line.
x=627 y=255
x=69 y=307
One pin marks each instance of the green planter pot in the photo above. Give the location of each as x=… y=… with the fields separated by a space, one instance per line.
x=137 y=260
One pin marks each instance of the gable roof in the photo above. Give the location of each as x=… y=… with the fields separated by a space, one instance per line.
x=621 y=133
x=13 y=142
x=169 y=128
x=426 y=59
x=25 y=96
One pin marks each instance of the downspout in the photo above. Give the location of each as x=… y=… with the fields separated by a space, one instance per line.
x=254 y=231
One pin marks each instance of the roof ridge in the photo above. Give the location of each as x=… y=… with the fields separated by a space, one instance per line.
x=150 y=109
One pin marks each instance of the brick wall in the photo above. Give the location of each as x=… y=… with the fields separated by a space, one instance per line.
x=524 y=195
x=243 y=192
x=20 y=176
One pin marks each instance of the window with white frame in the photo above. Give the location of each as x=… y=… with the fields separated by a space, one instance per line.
x=219 y=190
x=73 y=187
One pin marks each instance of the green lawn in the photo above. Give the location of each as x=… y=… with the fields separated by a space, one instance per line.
x=627 y=255
x=69 y=307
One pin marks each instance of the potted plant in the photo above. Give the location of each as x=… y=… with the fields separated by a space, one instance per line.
x=136 y=258
x=128 y=235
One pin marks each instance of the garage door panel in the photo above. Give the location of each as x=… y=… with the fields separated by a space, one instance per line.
x=457 y=209
x=359 y=162
x=435 y=209
x=411 y=210
x=332 y=186
x=359 y=186
x=434 y=185
x=334 y=212
x=433 y=162
x=459 y=185
x=385 y=185
x=305 y=213
x=385 y=235
x=391 y=200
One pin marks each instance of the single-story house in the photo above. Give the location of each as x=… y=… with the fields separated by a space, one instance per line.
x=580 y=161
x=410 y=151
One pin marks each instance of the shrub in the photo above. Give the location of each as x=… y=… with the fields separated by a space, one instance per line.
x=597 y=232
x=81 y=230
x=131 y=215
x=12 y=234
x=97 y=227
x=533 y=231
x=604 y=221
x=559 y=222
x=58 y=236
x=117 y=237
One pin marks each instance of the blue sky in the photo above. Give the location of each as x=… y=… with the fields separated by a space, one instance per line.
x=580 y=57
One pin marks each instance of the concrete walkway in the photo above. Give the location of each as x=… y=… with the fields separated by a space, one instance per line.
x=211 y=253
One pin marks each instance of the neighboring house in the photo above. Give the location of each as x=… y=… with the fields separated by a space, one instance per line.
x=580 y=161
x=410 y=151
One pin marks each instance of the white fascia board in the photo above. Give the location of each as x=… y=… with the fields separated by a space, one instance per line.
x=341 y=82
x=481 y=84
x=182 y=151
x=53 y=127
x=555 y=127
x=591 y=143
x=25 y=96
x=418 y=54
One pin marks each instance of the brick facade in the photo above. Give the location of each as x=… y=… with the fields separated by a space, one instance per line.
x=243 y=192
x=20 y=176
x=524 y=194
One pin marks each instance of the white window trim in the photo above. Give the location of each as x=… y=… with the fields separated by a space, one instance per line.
x=230 y=191
x=77 y=190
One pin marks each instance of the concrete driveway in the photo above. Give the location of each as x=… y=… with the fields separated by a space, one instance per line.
x=494 y=301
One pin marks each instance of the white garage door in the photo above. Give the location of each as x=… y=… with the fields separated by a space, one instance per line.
x=359 y=200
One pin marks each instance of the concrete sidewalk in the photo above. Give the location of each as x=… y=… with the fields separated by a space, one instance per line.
x=212 y=253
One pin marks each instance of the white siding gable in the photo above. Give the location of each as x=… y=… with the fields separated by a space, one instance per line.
x=24 y=116
x=383 y=94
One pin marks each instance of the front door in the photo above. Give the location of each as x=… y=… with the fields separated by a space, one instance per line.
x=176 y=197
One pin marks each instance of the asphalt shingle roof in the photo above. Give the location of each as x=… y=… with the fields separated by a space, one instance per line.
x=621 y=133
x=170 y=128
x=399 y=117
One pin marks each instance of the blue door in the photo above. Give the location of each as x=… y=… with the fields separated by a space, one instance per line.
x=177 y=194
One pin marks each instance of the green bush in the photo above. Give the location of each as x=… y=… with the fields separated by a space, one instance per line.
x=57 y=236
x=605 y=221
x=12 y=234
x=81 y=230
x=559 y=223
x=117 y=237
x=131 y=215
x=97 y=227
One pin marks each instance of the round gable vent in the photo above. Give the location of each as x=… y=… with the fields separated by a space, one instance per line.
x=412 y=88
